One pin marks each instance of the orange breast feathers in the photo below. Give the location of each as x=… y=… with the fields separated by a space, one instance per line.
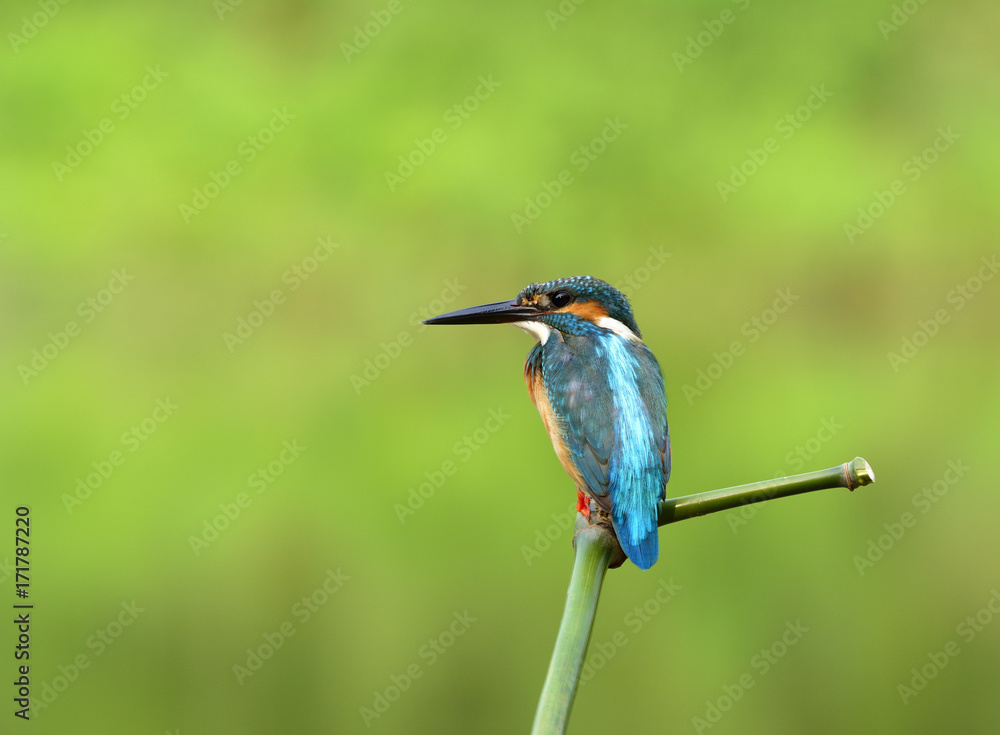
x=540 y=397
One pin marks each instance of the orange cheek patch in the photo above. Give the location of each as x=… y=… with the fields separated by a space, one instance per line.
x=589 y=310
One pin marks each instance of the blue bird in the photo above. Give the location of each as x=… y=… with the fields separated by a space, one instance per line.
x=600 y=394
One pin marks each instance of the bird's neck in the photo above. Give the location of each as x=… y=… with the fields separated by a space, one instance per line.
x=570 y=325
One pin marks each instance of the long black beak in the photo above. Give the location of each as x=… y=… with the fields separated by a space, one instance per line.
x=502 y=312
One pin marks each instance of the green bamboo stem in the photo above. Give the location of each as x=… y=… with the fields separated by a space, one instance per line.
x=596 y=547
x=851 y=474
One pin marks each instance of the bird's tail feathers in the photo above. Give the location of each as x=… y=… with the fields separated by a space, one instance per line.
x=640 y=541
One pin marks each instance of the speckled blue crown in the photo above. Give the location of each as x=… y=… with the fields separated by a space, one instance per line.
x=588 y=288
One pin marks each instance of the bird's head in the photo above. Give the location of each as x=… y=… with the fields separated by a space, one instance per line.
x=576 y=305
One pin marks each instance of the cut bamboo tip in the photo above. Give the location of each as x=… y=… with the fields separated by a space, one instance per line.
x=859 y=473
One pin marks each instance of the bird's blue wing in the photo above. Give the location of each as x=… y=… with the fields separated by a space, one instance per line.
x=608 y=397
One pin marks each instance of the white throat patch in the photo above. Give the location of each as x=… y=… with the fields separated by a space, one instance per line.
x=539 y=330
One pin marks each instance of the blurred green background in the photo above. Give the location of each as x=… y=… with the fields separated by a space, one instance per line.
x=171 y=172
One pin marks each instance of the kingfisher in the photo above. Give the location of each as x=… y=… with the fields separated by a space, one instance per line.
x=600 y=393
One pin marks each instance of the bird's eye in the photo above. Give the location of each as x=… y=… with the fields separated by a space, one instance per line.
x=561 y=299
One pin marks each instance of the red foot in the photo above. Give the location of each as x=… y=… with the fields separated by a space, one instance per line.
x=583 y=504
